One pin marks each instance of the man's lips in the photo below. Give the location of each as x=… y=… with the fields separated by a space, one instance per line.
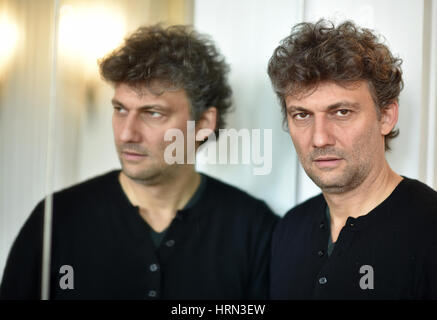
x=326 y=158
x=327 y=162
x=130 y=155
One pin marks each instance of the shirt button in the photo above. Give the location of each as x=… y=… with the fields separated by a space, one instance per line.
x=323 y=280
x=170 y=243
x=351 y=224
x=153 y=267
x=152 y=294
x=320 y=253
x=322 y=225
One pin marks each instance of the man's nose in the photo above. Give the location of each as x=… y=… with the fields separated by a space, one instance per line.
x=130 y=131
x=322 y=133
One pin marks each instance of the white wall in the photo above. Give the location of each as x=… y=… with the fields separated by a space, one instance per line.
x=23 y=120
x=247 y=32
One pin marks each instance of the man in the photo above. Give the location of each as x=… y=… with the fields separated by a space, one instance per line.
x=371 y=233
x=153 y=230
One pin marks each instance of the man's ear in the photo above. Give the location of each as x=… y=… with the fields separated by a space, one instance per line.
x=389 y=117
x=208 y=120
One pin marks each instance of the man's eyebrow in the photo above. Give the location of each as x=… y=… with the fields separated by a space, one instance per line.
x=291 y=109
x=115 y=102
x=340 y=104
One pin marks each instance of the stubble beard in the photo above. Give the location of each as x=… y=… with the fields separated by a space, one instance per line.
x=346 y=179
x=145 y=173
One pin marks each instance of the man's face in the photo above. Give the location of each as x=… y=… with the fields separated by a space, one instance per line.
x=140 y=120
x=337 y=134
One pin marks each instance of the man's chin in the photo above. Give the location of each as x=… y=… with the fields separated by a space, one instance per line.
x=335 y=185
x=334 y=189
x=328 y=182
x=337 y=180
x=140 y=175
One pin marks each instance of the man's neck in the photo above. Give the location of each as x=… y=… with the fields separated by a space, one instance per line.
x=364 y=198
x=159 y=202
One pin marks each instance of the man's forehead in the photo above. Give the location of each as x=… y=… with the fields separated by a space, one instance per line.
x=328 y=93
x=134 y=97
x=154 y=87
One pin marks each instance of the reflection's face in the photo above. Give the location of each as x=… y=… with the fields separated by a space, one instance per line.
x=140 y=121
x=337 y=135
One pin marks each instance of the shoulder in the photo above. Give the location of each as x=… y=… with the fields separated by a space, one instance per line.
x=224 y=189
x=300 y=218
x=90 y=190
x=306 y=211
x=418 y=192
x=84 y=196
x=416 y=198
x=236 y=202
x=417 y=204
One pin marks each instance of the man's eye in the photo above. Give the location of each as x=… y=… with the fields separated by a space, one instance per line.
x=342 y=112
x=120 y=110
x=154 y=114
x=301 y=116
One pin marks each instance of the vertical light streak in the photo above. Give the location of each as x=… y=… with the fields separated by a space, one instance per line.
x=48 y=214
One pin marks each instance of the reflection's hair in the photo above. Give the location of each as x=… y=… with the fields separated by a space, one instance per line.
x=318 y=52
x=176 y=57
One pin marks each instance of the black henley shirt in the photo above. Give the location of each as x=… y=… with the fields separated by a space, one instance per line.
x=389 y=253
x=216 y=249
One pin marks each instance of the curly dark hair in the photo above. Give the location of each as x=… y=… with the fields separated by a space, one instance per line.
x=318 y=52
x=177 y=57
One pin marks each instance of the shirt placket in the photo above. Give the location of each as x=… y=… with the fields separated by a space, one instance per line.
x=324 y=281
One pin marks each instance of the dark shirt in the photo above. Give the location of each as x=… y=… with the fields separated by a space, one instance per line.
x=216 y=249
x=157 y=237
x=389 y=253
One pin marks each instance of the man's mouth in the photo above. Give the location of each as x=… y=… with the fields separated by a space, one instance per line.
x=327 y=161
x=132 y=155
